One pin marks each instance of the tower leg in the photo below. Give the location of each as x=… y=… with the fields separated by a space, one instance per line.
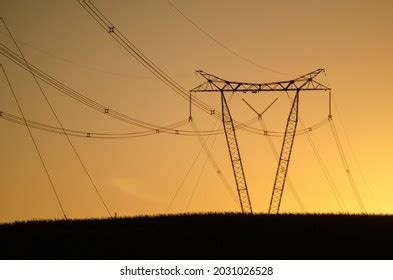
x=234 y=153
x=283 y=163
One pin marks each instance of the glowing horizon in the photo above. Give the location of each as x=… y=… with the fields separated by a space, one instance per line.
x=139 y=176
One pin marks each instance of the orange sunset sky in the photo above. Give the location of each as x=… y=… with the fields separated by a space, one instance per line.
x=352 y=40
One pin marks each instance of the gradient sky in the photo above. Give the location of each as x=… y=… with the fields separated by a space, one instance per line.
x=352 y=40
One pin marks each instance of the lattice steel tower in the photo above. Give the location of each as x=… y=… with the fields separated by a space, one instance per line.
x=303 y=83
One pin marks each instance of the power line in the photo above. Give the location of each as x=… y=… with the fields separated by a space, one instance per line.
x=79 y=133
x=213 y=162
x=183 y=181
x=105 y=135
x=188 y=172
x=208 y=35
x=215 y=165
x=108 y=111
x=76 y=95
x=87 y=67
x=58 y=121
x=200 y=174
x=80 y=97
x=15 y=119
x=346 y=165
x=352 y=150
x=326 y=173
x=137 y=54
x=35 y=145
x=323 y=167
x=350 y=145
x=341 y=151
x=196 y=184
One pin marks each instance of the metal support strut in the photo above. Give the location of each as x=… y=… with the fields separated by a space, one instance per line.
x=286 y=151
x=234 y=152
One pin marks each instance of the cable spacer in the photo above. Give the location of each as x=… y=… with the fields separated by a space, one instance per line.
x=212 y=112
x=1 y=114
x=176 y=131
x=111 y=29
x=106 y=110
x=88 y=134
x=157 y=131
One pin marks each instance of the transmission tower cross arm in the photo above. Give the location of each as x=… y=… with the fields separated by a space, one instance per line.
x=303 y=83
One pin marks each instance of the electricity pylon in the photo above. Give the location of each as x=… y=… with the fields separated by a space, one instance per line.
x=303 y=83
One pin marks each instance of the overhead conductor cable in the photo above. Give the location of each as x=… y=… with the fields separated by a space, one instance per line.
x=58 y=121
x=35 y=145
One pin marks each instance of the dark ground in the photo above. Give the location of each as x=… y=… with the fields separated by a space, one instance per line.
x=207 y=236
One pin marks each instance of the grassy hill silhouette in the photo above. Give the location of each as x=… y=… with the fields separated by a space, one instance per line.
x=205 y=236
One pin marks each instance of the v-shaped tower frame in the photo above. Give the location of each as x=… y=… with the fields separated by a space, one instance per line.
x=306 y=82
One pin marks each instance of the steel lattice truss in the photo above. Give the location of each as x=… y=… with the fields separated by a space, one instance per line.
x=306 y=82
x=283 y=163
x=216 y=84
x=234 y=152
